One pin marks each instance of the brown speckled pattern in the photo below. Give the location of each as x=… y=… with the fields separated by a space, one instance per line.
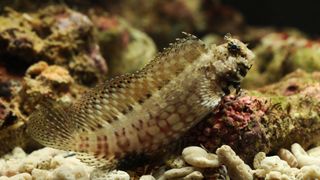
x=140 y=112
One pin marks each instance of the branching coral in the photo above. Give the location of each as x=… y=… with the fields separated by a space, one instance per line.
x=314 y=152
x=237 y=169
x=258 y=159
x=287 y=156
x=302 y=156
x=270 y=165
x=275 y=175
x=194 y=163
x=309 y=172
x=274 y=168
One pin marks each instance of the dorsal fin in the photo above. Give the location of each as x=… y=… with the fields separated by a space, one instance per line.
x=187 y=46
x=56 y=126
x=110 y=101
x=105 y=103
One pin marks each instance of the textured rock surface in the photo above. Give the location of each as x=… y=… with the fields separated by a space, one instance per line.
x=265 y=120
x=57 y=35
x=126 y=48
x=278 y=54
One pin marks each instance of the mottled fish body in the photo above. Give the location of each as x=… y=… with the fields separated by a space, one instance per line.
x=140 y=112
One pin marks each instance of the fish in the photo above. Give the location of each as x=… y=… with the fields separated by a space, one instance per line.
x=144 y=111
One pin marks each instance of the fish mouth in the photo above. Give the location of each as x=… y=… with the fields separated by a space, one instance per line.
x=233 y=79
x=243 y=69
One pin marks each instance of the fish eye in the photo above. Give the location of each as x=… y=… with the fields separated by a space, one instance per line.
x=233 y=48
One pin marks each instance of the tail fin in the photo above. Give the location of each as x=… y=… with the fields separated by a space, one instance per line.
x=50 y=125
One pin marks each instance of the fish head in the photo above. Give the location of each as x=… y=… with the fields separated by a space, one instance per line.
x=230 y=63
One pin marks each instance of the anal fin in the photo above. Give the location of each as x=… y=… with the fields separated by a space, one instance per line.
x=97 y=162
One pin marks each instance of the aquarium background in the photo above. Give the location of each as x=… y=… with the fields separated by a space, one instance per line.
x=61 y=49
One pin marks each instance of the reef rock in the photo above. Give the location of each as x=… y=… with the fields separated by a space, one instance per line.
x=126 y=48
x=57 y=35
x=266 y=120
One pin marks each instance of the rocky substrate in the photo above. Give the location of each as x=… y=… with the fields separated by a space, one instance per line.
x=194 y=163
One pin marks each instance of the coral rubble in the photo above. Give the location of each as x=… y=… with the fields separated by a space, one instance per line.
x=273 y=167
x=194 y=163
x=45 y=163
x=52 y=164
x=198 y=157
